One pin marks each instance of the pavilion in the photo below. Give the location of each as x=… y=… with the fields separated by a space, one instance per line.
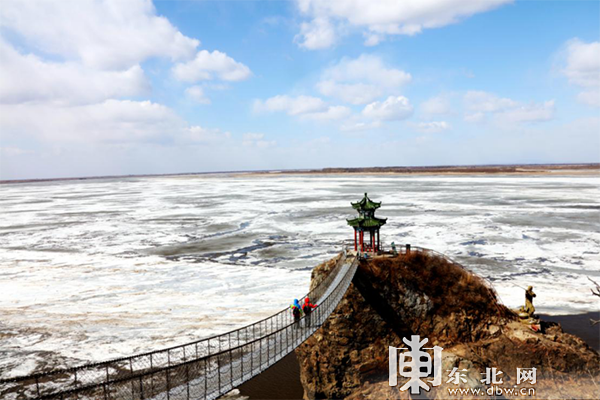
x=366 y=222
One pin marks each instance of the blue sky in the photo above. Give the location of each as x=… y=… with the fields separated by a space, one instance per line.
x=194 y=86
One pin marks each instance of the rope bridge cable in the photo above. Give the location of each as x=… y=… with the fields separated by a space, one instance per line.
x=203 y=369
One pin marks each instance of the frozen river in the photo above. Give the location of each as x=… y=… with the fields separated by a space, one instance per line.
x=96 y=269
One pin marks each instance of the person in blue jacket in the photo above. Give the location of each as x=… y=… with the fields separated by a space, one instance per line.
x=297 y=313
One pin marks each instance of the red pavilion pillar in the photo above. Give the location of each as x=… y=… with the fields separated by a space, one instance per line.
x=374 y=242
x=362 y=241
x=355 y=244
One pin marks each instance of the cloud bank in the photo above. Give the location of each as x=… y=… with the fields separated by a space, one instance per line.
x=328 y=20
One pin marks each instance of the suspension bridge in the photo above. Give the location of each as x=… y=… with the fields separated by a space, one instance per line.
x=203 y=369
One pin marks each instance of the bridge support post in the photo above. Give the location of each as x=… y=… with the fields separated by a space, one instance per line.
x=219 y=369
x=141 y=388
x=205 y=377
x=131 y=372
x=168 y=383
x=230 y=362
x=252 y=348
x=242 y=359
x=260 y=354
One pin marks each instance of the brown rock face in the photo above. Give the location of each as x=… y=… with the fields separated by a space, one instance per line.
x=418 y=294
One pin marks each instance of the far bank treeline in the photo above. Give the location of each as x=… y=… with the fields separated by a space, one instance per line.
x=462 y=169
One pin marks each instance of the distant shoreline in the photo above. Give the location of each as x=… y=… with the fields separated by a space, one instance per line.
x=586 y=169
x=562 y=169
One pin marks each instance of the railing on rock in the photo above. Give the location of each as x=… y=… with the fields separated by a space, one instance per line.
x=203 y=369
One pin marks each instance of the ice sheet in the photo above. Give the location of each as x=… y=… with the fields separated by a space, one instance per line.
x=97 y=269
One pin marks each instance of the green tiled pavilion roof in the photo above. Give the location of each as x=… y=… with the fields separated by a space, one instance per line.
x=366 y=204
x=367 y=222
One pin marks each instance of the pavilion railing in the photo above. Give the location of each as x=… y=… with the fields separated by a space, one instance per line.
x=203 y=369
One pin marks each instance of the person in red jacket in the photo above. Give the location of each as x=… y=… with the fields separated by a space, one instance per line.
x=307 y=308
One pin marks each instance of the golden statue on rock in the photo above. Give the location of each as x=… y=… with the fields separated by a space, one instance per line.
x=527 y=310
x=529 y=295
x=526 y=313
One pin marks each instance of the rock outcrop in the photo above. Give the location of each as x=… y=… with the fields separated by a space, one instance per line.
x=420 y=294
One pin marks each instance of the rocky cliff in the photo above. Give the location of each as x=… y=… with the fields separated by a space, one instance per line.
x=419 y=294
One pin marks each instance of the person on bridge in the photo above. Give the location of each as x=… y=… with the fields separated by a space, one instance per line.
x=296 y=313
x=307 y=308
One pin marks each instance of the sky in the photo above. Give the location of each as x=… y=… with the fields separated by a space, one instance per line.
x=91 y=88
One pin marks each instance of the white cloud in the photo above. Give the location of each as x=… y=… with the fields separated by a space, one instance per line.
x=253 y=136
x=590 y=97
x=582 y=68
x=291 y=105
x=528 y=113
x=306 y=107
x=208 y=66
x=361 y=80
x=199 y=135
x=332 y=113
x=368 y=68
x=380 y=18
x=478 y=104
x=583 y=63
x=319 y=33
x=353 y=93
x=112 y=121
x=100 y=45
x=14 y=151
x=109 y=121
x=432 y=127
x=393 y=108
x=109 y=34
x=357 y=126
x=438 y=105
x=257 y=140
x=26 y=78
x=372 y=39
x=478 y=101
x=76 y=78
x=475 y=117
x=196 y=93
